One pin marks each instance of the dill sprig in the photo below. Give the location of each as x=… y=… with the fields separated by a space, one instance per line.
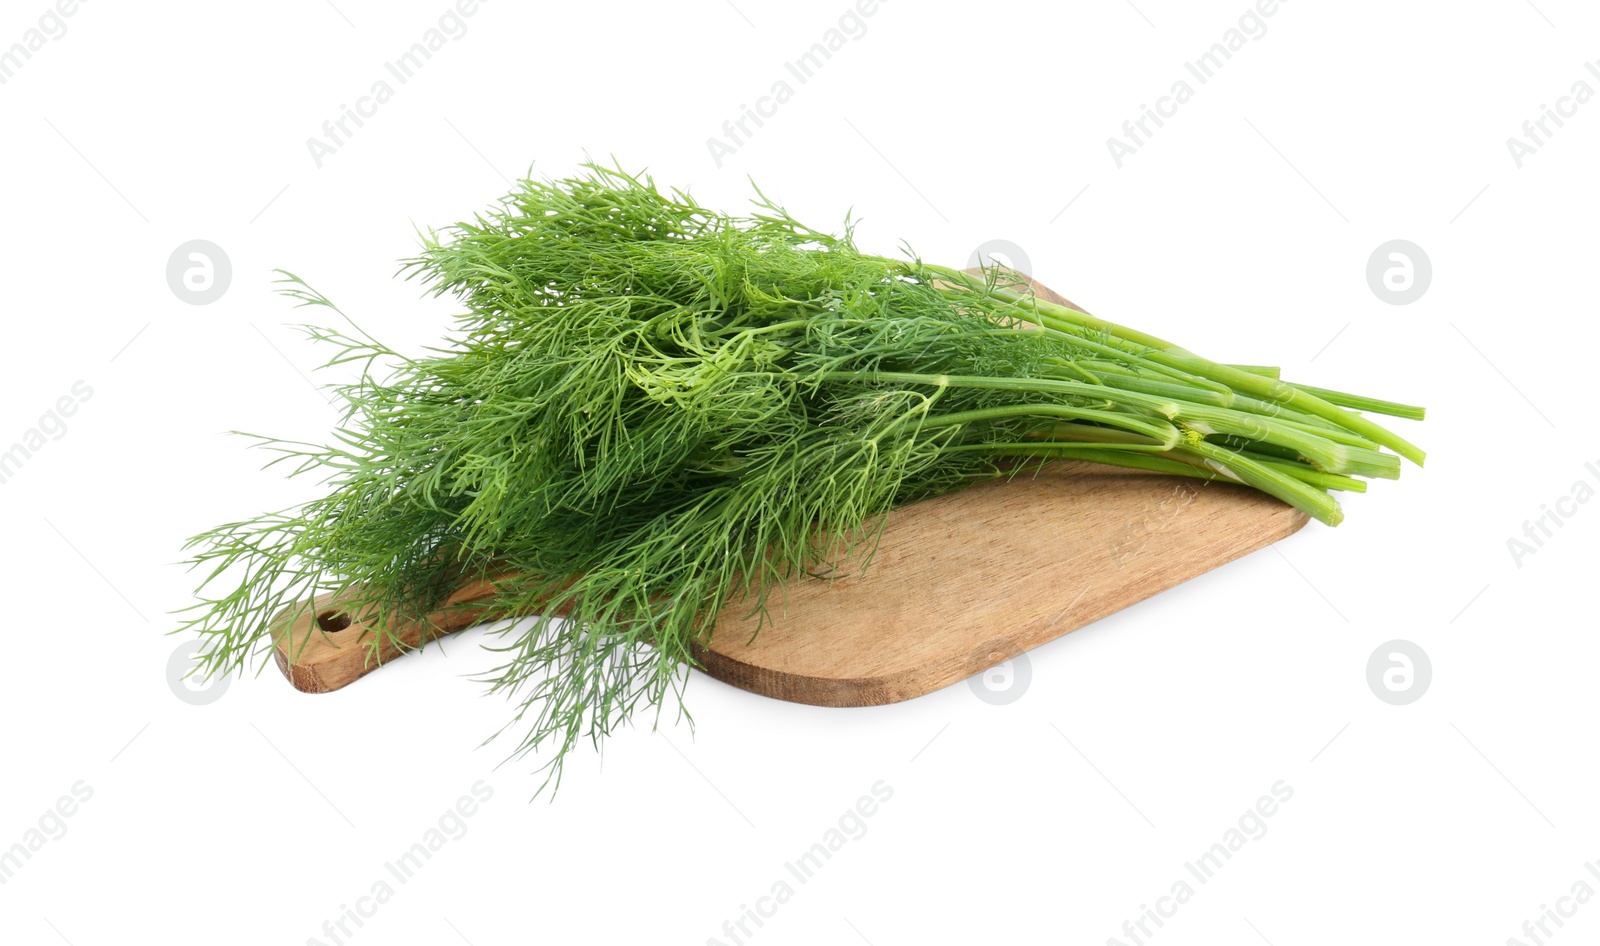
x=651 y=411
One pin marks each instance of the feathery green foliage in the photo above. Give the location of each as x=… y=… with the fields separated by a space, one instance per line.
x=651 y=411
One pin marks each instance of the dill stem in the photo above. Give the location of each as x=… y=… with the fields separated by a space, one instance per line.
x=1310 y=423
x=1359 y=403
x=1291 y=490
x=1166 y=353
x=1161 y=406
x=1325 y=454
x=1168 y=435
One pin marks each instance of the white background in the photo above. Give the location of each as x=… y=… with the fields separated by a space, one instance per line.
x=1242 y=229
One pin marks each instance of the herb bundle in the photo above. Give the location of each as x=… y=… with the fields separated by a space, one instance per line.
x=651 y=411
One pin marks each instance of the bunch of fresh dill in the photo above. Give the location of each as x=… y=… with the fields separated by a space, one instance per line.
x=652 y=410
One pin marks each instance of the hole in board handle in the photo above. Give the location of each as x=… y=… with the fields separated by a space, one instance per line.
x=331 y=621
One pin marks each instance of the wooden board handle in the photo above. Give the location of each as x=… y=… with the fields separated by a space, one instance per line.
x=323 y=647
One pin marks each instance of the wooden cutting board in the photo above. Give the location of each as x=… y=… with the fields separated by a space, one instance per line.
x=960 y=583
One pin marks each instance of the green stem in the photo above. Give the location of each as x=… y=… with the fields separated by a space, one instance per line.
x=1308 y=499
x=1136 y=461
x=1095 y=392
x=1359 y=403
x=1167 y=435
x=1166 y=353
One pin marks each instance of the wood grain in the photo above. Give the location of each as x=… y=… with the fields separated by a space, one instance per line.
x=960 y=583
x=968 y=580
